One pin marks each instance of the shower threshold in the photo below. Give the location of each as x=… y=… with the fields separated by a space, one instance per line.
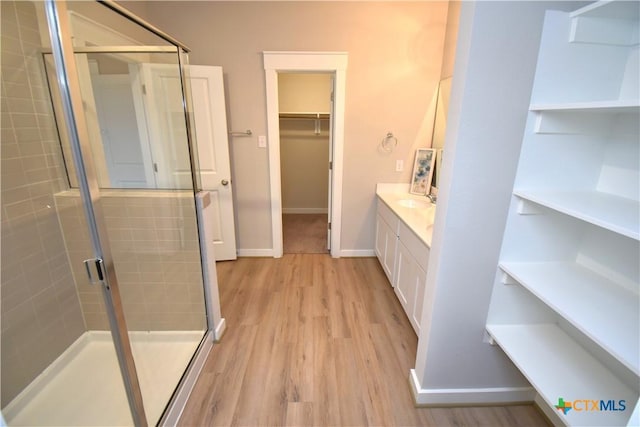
x=84 y=387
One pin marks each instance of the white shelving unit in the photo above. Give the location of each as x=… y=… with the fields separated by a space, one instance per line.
x=570 y=290
x=606 y=107
x=614 y=213
x=540 y=352
x=566 y=301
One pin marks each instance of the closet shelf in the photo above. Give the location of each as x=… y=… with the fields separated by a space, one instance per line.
x=609 y=9
x=610 y=212
x=557 y=367
x=611 y=106
x=603 y=310
x=613 y=23
x=305 y=116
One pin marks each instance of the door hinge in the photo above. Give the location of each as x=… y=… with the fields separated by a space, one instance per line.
x=329 y=225
x=144 y=89
x=155 y=167
x=331 y=97
x=330 y=166
x=95 y=271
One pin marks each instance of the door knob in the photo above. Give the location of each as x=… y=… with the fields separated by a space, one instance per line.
x=224 y=182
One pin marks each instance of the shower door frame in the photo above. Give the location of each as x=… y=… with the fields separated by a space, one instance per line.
x=63 y=53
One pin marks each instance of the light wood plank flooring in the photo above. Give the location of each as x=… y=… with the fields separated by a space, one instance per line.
x=304 y=233
x=316 y=341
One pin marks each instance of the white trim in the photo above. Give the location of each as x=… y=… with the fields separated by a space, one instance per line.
x=468 y=396
x=207 y=258
x=552 y=414
x=257 y=253
x=358 y=253
x=304 y=210
x=220 y=330
x=179 y=402
x=335 y=62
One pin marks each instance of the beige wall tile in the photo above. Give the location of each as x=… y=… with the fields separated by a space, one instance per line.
x=159 y=274
x=41 y=313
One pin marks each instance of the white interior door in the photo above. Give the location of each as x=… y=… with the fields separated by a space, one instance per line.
x=166 y=126
x=119 y=130
x=163 y=108
x=207 y=90
x=330 y=198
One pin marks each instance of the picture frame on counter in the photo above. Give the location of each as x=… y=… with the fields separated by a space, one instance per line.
x=422 y=171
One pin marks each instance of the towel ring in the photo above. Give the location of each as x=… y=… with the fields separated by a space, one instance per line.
x=389 y=143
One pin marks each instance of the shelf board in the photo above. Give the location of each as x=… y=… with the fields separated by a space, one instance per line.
x=612 y=107
x=558 y=367
x=610 y=212
x=609 y=9
x=573 y=291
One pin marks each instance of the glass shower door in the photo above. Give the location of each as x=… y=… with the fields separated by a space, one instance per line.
x=128 y=153
x=152 y=227
x=54 y=371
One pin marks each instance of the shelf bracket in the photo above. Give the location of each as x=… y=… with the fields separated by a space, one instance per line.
x=488 y=338
x=506 y=279
x=570 y=123
x=525 y=207
x=607 y=31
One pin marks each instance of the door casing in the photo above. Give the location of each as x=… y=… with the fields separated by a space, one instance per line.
x=320 y=62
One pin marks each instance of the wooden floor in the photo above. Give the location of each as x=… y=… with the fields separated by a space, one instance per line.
x=304 y=233
x=317 y=341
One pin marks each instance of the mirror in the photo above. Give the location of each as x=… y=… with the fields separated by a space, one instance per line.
x=440 y=126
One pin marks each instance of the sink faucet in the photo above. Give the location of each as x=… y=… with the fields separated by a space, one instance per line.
x=432 y=198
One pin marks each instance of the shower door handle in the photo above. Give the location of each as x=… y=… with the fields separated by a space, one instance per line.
x=95 y=270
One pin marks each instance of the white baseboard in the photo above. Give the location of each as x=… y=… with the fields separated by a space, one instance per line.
x=219 y=332
x=347 y=253
x=551 y=413
x=357 y=253
x=185 y=388
x=255 y=252
x=468 y=396
x=304 y=210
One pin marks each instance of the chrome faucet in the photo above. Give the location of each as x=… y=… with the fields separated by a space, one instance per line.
x=432 y=198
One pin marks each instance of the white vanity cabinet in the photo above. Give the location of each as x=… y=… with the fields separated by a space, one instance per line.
x=404 y=258
x=411 y=276
x=565 y=306
x=387 y=240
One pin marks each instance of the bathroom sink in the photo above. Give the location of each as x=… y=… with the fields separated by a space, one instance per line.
x=413 y=203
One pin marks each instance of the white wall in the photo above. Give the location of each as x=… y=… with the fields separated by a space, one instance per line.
x=304 y=92
x=495 y=63
x=395 y=54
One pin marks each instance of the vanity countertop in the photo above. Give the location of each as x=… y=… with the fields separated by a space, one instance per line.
x=416 y=212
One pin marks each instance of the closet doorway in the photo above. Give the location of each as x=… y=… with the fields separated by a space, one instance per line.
x=334 y=63
x=304 y=101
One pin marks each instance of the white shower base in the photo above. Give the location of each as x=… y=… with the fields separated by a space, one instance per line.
x=84 y=387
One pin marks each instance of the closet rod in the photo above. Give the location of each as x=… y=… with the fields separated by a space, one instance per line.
x=309 y=116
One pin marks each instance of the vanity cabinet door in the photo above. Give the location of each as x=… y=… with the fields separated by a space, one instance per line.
x=411 y=280
x=386 y=242
x=421 y=284
x=406 y=280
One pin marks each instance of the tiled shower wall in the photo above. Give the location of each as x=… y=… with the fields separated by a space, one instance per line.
x=155 y=247
x=41 y=314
